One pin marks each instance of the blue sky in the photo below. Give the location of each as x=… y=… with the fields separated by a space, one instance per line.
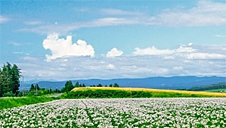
x=58 y=40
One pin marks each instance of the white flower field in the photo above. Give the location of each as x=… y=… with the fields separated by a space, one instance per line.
x=109 y=113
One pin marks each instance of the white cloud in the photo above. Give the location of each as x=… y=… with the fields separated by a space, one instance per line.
x=206 y=56
x=14 y=43
x=34 y=22
x=220 y=36
x=114 y=52
x=178 y=68
x=152 y=51
x=110 y=66
x=28 y=58
x=205 y=61
x=3 y=19
x=118 y=12
x=205 y=13
x=184 y=48
x=61 y=47
x=185 y=51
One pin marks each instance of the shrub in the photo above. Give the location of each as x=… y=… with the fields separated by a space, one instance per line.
x=9 y=94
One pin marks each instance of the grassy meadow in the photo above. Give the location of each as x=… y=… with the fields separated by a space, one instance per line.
x=10 y=102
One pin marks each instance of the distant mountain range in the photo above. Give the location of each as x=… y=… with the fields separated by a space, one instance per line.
x=176 y=82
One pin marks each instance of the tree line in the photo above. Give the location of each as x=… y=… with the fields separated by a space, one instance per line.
x=35 y=90
x=209 y=87
x=9 y=80
x=69 y=86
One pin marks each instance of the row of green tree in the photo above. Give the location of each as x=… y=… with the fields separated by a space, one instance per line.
x=9 y=80
x=35 y=90
x=209 y=87
x=69 y=86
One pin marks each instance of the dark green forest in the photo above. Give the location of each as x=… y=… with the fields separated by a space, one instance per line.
x=9 y=80
x=209 y=87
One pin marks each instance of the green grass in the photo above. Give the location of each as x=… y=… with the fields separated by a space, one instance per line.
x=106 y=92
x=10 y=102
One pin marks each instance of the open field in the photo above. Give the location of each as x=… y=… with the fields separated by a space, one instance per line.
x=115 y=92
x=142 y=112
x=10 y=102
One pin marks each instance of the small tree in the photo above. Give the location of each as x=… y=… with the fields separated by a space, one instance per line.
x=77 y=84
x=68 y=86
x=116 y=85
x=50 y=90
x=37 y=87
x=110 y=85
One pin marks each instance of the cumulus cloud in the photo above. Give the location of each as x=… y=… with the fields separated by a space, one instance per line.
x=61 y=47
x=204 y=61
x=114 y=52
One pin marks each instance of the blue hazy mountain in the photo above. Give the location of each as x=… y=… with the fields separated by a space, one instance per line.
x=176 y=82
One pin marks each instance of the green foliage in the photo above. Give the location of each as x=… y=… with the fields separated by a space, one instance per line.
x=209 y=87
x=37 y=87
x=32 y=88
x=217 y=90
x=37 y=91
x=98 y=85
x=8 y=94
x=68 y=86
x=116 y=85
x=20 y=101
x=77 y=84
x=100 y=93
x=9 y=79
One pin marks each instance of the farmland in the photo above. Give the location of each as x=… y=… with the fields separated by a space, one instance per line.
x=115 y=92
x=142 y=112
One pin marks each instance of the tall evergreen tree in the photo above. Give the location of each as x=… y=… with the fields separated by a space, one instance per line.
x=77 y=84
x=15 y=78
x=9 y=79
x=37 y=87
x=32 y=88
x=1 y=83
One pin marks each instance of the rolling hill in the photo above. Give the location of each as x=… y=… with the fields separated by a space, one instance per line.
x=176 y=82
